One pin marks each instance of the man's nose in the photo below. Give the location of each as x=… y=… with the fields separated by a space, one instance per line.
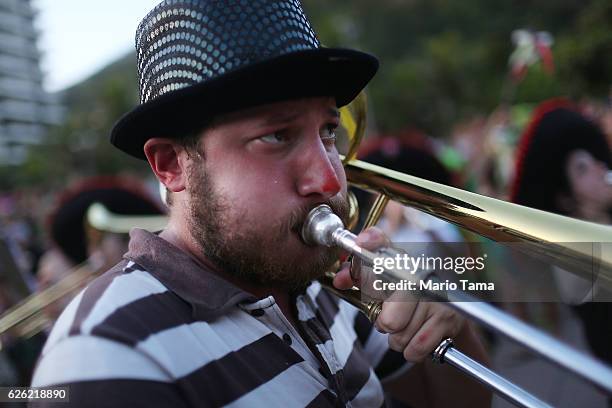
x=316 y=174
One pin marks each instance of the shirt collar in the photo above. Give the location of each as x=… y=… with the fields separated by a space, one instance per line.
x=209 y=295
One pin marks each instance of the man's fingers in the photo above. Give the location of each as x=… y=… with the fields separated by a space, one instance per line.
x=343 y=280
x=425 y=340
x=396 y=316
x=443 y=323
x=399 y=340
x=372 y=238
x=429 y=324
x=348 y=276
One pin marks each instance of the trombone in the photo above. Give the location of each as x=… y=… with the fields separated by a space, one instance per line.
x=550 y=237
x=408 y=189
x=547 y=235
x=487 y=216
x=28 y=318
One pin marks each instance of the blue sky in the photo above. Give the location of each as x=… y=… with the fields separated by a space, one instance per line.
x=78 y=37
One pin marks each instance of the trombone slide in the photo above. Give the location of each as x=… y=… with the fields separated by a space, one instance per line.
x=323 y=227
x=446 y=353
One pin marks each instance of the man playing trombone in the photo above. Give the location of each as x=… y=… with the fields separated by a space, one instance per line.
x=237 y=120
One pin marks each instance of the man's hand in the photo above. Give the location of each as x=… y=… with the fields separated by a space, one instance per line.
x=415 y=327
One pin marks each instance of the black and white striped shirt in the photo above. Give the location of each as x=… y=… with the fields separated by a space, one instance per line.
x=160 y=330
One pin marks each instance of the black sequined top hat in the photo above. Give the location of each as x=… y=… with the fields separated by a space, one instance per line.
x=556 y=129
x=200 y=58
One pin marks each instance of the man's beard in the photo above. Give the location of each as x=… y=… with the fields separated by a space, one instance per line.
x=257 y=257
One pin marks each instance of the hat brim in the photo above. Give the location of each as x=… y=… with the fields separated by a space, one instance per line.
x=340 y=73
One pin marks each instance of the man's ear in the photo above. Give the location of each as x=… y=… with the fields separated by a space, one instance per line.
x=167 y=160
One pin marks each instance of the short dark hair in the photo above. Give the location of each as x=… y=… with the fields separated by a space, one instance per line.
x=192 y=142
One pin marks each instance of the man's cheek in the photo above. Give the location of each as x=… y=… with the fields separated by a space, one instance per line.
x=340 y=174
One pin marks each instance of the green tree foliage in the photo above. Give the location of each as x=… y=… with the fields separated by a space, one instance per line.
x=443 y=60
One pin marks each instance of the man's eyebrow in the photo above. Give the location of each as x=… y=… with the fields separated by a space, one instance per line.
x=286 y=117
x=280 y=118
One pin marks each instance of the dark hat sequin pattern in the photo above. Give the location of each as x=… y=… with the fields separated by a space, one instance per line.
x=183 y=42
x=198 y=59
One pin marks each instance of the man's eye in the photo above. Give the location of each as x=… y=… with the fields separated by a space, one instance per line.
x=273 y=138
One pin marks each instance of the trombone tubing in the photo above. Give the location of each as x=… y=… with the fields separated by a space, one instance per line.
x=323 y=227
x=35 y=303
x=551 y=236
x=445 y=353
x=540 y=342
x=507 y=390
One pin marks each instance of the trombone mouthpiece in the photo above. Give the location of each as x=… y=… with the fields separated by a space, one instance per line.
x=320 y=225
x=609 y=177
